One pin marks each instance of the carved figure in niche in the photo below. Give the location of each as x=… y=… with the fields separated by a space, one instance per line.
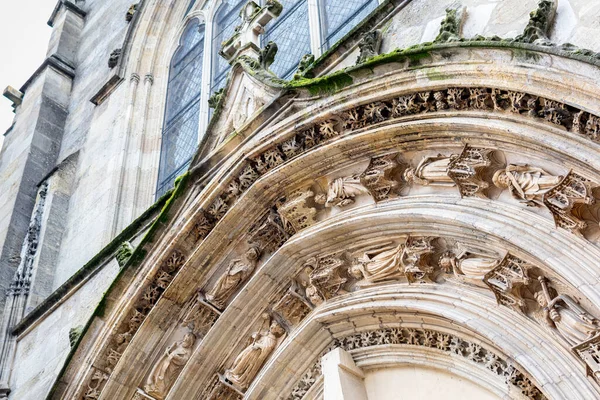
x=342 y=191
x=165 y=372
x=312 y=293
x=201 y=316
x=430 y=171
x=573 y=323
x=236 y=274
x=251 y=359
x=468 y=264
x=527 y=184
x=378 y=265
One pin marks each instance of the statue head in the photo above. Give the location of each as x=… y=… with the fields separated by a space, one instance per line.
x=409 y=175
x=540 y=298
x=276 y=329
x=446 y=261
x=320 y=198
x=188 y=340
x=253 y=253
x=356 y=272
x=501 y=179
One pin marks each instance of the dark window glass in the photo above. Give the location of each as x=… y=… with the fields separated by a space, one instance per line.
x=338 y=17
x=226 y=19
x=180 y=131
x=291 y=32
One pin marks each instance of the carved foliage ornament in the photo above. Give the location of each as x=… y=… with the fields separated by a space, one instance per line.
x=124 y=333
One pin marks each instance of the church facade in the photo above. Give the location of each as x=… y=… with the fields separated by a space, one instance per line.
x=305 y=199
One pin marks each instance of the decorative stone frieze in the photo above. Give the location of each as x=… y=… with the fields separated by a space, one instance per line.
x=269 y=234
x=589 y=352
x=326 y=277
x=441 y=341
x=200 y=315
x=122 y=335
x=292 y=307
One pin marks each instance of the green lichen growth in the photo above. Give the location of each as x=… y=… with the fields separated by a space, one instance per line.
x=124 y=253
x=450 y=27
x=324 y=85
x=75 y=334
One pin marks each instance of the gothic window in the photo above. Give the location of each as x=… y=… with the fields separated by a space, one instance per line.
x=291 y=32
x=338 y=17
x=226 y=19
x=180 y=130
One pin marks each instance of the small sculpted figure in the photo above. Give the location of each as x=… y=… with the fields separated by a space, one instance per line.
x=573 y=323
x=165 y=372
x=235 y=275
x=379 y=265
x=430 y=171
x=342 y=191
x=251 y=359
x=473 y=266
x=526 y=184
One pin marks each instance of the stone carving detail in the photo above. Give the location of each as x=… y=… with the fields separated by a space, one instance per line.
x=269 y=234
x=467 y=263
x=326 y=278
x=379 y=265
x=342 y=191
x=464 y=170
x=292 y=307
x=507 y=280
x=467 y=169
x=218 y=389
x=124 y=333
x=570 y=319
x=234 y=276
x=131 y=12
x=203 y=226
x=75 y=334
x=304 y=65
x=251 y=359
x=378 y=179
x=572 y=191
x=450 y=29
x=540 y=22
x=415 y=258
x=164 y=373
x=113 y=60
x=124 y=253
x=369 y=46
x=526 y=184
x=201 y=316
x=426 y=338
x=267 y=55
x=295 y=212
x=215 y=98
x=589 y=352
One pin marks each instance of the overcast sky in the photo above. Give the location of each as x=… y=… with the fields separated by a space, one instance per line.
x=24 y=36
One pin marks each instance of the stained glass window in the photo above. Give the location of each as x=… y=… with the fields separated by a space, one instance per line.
x=338 y=17
x=180 y=131
x=226 y=19
x=291 y=32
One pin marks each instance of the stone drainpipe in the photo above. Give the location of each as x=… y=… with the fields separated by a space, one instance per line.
x=18 y=291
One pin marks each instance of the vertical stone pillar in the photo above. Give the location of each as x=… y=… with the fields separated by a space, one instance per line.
x=343 y=380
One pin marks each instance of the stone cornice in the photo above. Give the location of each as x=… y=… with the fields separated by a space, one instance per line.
x=52 y=61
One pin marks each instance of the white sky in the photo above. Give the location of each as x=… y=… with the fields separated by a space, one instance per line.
x=24 y=37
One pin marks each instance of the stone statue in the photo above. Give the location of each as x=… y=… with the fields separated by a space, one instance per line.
x=251 y=359
x=304 y=65
x=430 y=171
x=163 y=375
x=378 y=265
x=573 y=323
x=267 y=55
x=312 y=293
x=527 y=184
x=369 y=46
x=472 y=266
x=235 y=275
x=342 y=191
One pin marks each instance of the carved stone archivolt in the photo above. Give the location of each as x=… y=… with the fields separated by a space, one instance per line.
x=441 y=341
x=120 y=339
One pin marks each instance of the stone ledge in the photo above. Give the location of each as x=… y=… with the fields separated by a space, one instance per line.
x=52 y=61
x=69 y=5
